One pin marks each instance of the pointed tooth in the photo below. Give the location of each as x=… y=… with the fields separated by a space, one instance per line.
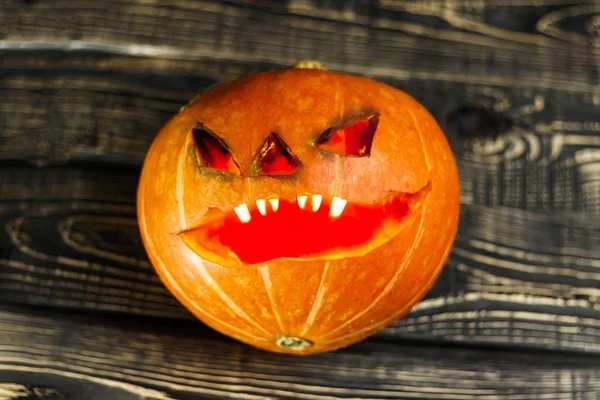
x=337 y=207
x=302 y=201
x=243 y=213
x=274 y=204
x=262 y=206
x=316 y=202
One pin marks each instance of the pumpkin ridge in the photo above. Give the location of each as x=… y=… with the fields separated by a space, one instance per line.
x=166 y=277
x=378 y=325
x=206 y=275
x=264 y=272
x=395 y=277
x=201 y=267
x=317 y=302
x=420 y=135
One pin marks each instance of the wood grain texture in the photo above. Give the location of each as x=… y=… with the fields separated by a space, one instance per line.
x=85 y=87
x=188 y=361
x=43 y=383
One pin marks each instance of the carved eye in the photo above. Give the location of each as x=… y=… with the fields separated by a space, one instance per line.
x=353 y=140
x=213 y=152
x=274 y=158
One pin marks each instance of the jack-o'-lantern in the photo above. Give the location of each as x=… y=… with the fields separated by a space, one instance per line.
x=299 y=210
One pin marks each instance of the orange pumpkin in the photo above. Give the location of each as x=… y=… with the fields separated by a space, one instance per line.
x=299 y=210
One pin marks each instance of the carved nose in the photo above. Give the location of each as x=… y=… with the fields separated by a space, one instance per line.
x=274 y=158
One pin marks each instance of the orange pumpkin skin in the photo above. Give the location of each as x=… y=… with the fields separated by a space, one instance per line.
x=294 y=305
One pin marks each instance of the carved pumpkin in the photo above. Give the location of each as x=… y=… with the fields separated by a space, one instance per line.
x=299 y=210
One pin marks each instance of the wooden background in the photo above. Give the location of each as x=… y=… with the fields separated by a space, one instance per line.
x=86 y=85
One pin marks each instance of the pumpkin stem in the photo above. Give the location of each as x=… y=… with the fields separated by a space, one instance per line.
x=293 y=342
x=309 y=64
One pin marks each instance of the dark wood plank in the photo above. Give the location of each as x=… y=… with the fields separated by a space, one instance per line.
x=515 y=86
x=501 y=43
x=136 y=358
x=50 y=384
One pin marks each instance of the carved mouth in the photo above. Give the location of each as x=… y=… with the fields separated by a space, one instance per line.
x=307 y=227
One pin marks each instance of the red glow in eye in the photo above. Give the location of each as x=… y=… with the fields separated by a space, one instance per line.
x=213 y=151
x=354 y=140
x=274 y=158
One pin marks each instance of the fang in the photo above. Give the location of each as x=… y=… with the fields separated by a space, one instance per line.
x=316 y=202
x=337 y=207
x=302 y=201
x=274 y=204
x=243 y=213
x=262 y=206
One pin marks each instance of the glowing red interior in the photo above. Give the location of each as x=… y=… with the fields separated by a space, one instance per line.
x=213 y=152
x=353 y=140
x=274 y=158
x=292 y=231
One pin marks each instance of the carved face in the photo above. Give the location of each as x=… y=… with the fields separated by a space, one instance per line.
x=308 y=225
x=265 y=190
